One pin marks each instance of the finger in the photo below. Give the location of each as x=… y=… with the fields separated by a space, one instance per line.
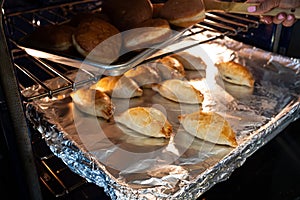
x=266 y=19
x=279 y=18
x=253 y=9
x=290 y=20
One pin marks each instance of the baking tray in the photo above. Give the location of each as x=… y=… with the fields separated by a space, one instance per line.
x=131 y=167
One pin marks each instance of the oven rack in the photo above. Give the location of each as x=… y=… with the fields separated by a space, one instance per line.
x=34 y=71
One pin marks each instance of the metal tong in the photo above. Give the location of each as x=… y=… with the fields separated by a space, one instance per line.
x=241 y=8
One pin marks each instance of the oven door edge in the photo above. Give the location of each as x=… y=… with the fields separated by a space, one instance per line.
x=16 y=132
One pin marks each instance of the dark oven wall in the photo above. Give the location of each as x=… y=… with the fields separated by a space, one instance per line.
x=274 y=38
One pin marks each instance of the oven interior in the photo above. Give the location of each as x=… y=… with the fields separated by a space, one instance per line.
x=55 y=177
x=31 y=70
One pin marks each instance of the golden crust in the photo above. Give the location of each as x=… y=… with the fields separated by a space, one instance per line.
x=92 y=33
x=169 y=68
x=235 y=73
x=173 y=63
x=189 y=61
x=144 y=75
x=148 y=121
x=93 y=102
x=118 y=87
x=183 y=13
x=179 y=91
x=209 y=126
x=128 y=14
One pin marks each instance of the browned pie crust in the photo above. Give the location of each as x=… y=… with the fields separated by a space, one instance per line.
x=235 y=73
x=148 y=121
x=93 y=102
x=209 y=126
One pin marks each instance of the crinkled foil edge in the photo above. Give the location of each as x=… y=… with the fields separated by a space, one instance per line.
x=82 y=164
x=237 y=158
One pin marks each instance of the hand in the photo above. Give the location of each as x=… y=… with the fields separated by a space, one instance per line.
x=267 y=5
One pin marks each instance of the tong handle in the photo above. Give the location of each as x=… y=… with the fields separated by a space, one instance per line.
x=275 y=11
x=241 y=8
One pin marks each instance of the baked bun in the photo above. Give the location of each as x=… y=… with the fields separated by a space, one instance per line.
x=127 y=14
x=235 y=73
x=183 y=13
x=209 y=126
x=87 y=16
x=146 y=34
x=156 y=9
x=56 y=37
x=98 y=39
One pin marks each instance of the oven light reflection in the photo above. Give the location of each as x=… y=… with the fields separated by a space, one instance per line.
x=36 y=53
x=210 y=87
x=36 y=22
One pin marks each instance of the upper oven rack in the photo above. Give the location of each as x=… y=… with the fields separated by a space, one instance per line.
x=33 y=71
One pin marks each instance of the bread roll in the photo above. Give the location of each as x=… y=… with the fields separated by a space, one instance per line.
x=148 y=121
x=209 y=126
x=183 y=13
x=127 y=14
x=93 y=102
x=156 y=9
x=98 y=39
x=146 y=34
x=87 y=16
x=56 y=37
x=179 y=91
x=235 y=73
x=118 y=87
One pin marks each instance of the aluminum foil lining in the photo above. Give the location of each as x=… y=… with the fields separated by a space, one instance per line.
x=131 y=166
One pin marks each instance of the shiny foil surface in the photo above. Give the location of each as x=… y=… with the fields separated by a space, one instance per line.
x=132 y=166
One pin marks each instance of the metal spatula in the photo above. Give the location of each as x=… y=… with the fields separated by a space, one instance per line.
x=241 y=8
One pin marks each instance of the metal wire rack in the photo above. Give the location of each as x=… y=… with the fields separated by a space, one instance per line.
x=32 y=71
